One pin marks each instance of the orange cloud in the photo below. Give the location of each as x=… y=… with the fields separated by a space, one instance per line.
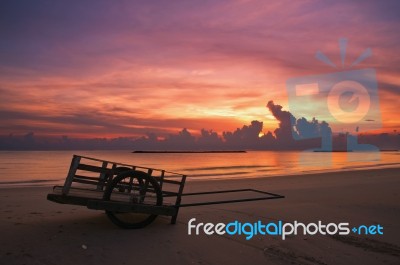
x=129 y=69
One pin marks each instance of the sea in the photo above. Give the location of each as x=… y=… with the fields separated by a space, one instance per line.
x=41 y=168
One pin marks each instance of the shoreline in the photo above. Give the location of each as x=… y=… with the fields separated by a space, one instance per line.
x=39 y=231
x=42 y=183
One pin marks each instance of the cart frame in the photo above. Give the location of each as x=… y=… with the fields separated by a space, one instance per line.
x=93 y=182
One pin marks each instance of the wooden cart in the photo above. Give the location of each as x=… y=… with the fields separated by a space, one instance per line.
x=132 y=196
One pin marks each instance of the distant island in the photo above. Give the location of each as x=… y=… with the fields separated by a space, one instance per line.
x=333 y=151
x=187 y=152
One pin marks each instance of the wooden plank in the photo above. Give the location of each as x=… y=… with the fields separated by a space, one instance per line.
x=66 y=199
x=84 y=181
x=161 y=179
x=71 y=173
x=80 y=192
x=178 y=200
x=122 y=164
x=97 y=194
x=92 y=168
x=87 y=178
x=103 y=176
x=130 y=208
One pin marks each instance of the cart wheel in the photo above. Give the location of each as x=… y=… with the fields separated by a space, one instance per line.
x=136 y=187
x=118 y=170
x=110 y=175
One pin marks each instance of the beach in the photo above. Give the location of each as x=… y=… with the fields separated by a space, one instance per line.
x=37 y=231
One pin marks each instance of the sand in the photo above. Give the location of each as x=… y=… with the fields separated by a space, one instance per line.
x=37 y=231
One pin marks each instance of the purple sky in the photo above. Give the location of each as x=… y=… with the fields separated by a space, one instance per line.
x=123 y=68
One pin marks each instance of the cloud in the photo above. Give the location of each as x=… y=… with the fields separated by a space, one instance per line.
x=246 y=137
x=291 y=134
x=284 y=132
x=185 y=62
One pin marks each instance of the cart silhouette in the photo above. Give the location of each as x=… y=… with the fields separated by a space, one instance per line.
x=133 y=196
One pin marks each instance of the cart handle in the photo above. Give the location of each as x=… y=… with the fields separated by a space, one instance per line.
x=269 y=197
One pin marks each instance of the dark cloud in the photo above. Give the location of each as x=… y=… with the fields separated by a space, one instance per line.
x=299 y=133
x=284 y=132
x=291 y=134
x=246 y=137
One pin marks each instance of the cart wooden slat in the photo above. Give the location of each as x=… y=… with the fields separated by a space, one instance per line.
x=124 y=190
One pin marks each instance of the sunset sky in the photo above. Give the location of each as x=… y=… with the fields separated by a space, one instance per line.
x=124 y=68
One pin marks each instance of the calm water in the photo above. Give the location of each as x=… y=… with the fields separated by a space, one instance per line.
x=50 y=167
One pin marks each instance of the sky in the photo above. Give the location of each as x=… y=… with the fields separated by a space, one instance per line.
x=125 y=68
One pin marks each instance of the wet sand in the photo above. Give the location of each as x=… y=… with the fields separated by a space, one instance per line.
x=37 y=231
